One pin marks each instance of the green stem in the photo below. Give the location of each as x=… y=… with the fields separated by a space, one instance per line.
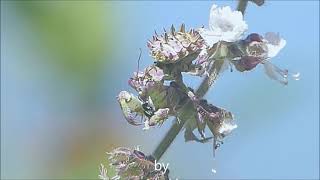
x=209 y=80
x=186 y=112
x=242 y=5
x=172 y=133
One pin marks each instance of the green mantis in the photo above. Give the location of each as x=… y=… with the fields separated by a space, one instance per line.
x=155 y=101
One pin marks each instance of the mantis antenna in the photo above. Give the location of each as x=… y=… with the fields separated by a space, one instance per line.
x=139 y=59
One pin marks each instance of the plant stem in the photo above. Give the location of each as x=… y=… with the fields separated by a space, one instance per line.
x=242 y=5
x=186 y=112
x=171 y=134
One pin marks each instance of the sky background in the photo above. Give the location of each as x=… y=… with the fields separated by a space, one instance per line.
x=64 y=62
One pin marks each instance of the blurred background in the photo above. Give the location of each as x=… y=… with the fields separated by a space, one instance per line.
x=64 y=62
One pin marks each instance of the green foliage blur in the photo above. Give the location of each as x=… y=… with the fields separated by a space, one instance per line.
x=78 y=34
x=77 y=39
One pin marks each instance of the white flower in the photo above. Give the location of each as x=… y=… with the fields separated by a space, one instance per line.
x=224 y=25
x=274 y=43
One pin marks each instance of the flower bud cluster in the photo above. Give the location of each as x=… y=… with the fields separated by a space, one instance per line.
x=133 y=164
x=175 y=45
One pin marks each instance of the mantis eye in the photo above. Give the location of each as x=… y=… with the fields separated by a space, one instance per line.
x=128 y=99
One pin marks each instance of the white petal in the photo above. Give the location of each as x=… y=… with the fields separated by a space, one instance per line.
x=209 y=36
x=280 y=75
x=276 y=73
x=225 y=25
x=274 y=43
